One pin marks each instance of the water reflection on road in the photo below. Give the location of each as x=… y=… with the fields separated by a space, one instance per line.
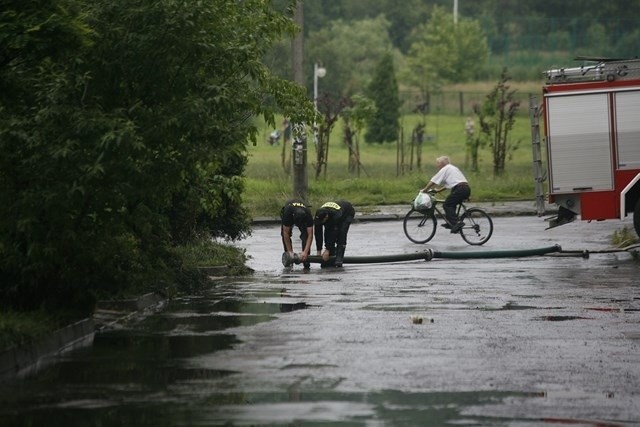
x=510 y=341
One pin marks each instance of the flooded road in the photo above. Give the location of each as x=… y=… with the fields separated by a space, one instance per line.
x=544 y=340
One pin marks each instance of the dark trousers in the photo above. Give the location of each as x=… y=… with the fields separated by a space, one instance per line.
x=458 y=194
x=336 y=234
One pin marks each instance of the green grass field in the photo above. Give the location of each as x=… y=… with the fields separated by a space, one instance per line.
x=386 y=176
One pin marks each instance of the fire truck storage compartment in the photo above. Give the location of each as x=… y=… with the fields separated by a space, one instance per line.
x=628 y=128
x=579 y=142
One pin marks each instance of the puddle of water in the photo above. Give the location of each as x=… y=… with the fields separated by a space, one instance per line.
x=295 y=407
x=388 y=407
x=189 y=323
x=562 y=318
x=515 y=306
x=141 y=372
x=578 y=408
x=187 y=316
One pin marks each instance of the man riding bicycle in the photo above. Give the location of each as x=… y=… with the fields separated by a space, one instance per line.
x=449 y=176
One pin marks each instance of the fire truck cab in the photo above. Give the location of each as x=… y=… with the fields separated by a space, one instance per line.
x=592 y=139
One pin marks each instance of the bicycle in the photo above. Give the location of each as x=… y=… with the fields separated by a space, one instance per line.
x=420 y=225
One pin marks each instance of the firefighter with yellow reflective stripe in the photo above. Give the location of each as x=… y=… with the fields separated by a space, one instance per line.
x=331 y=226
x=296 y=213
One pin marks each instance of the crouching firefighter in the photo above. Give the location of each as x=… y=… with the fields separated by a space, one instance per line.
x=295 y=213
x=336 y=218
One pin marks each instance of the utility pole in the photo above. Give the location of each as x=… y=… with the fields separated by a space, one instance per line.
x=455 y=11
x=299 y=147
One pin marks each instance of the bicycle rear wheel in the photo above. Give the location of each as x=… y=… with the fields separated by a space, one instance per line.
x=478 y=227
x=419 y=226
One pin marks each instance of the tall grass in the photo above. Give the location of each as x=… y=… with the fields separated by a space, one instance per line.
x=387 y=175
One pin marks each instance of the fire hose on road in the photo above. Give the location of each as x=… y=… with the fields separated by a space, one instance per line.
x=289 y=259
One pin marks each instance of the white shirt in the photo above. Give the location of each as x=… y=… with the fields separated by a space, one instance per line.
x=448 y=176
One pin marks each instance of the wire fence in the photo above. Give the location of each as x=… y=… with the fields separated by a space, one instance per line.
x=452 y=102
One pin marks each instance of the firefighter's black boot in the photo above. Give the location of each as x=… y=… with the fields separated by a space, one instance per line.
x=340 y=255
x=325 y=264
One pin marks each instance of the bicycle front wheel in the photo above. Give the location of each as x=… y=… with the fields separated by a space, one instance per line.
x=419 y=227
x=478 y=227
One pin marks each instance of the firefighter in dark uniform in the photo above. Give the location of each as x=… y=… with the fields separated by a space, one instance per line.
x=336 y=218
x=296 y=213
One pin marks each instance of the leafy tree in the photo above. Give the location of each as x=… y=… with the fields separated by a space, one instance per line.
x=331 y=108
x=598 y=41
x=383 y=90
x=443 y=51
x=496 y=117
x=349 y=51
x=35 y=31
x=355 y=115
x=628 y=45
x=39 y=41
x=123 y=131
x=520 y=33
x=404 y=16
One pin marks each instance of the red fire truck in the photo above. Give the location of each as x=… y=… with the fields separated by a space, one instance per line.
x=592 y=138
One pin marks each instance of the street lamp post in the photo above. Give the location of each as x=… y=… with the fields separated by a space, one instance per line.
x=318 y=72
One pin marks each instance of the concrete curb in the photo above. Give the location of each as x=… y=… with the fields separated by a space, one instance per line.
x=18 y=362
x=21 y=361
x=110 y=312
x=132 y=304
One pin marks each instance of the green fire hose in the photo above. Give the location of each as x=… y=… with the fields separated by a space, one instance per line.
x=515 y=253
x=288 y=259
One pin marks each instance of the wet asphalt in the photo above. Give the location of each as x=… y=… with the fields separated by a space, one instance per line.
x=558 y=335
x=510 y=341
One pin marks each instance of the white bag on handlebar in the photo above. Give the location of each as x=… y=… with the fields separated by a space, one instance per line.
x=422 y=202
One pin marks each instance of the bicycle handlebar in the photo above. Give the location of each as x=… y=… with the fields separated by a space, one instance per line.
x=432 y=194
